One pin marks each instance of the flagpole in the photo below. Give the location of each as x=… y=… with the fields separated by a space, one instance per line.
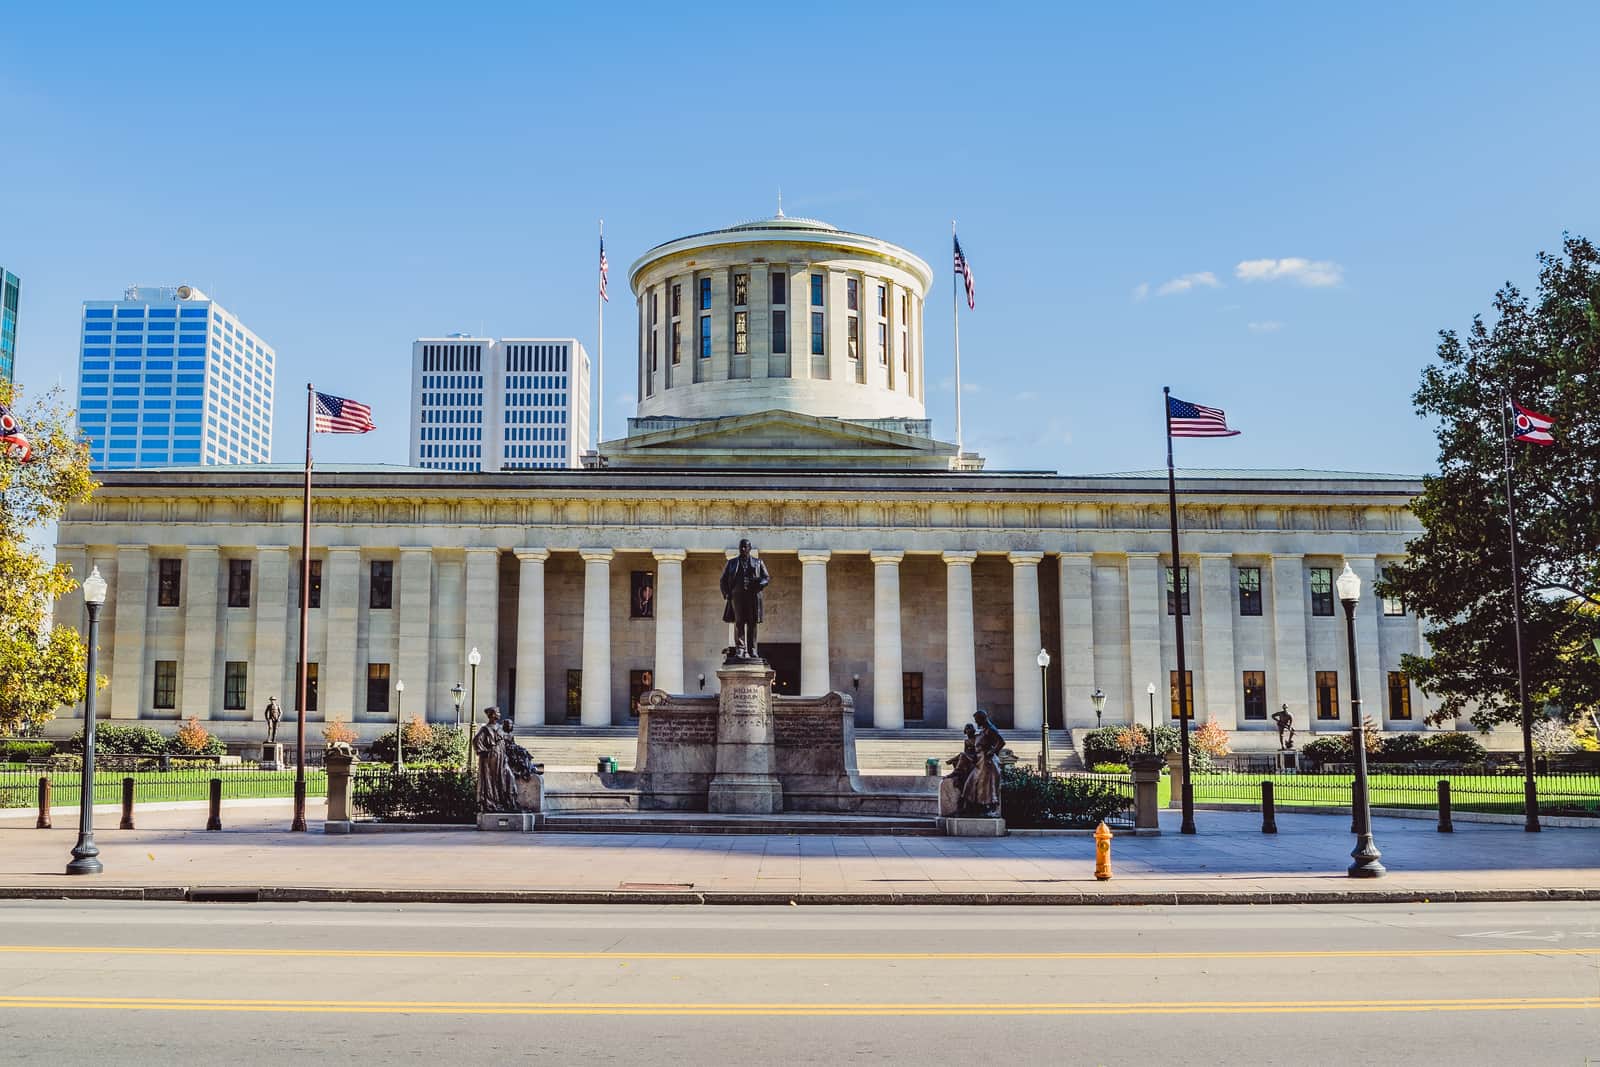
x=955 y=317
x=600 y=361
x=299 y=823
x=1177 y=617
x=1530 y=789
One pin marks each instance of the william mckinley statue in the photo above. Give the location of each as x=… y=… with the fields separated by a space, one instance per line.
x=743 y=579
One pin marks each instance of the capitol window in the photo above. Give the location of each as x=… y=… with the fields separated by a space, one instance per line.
x=852 y=335
x=816 y=290
x=677 y=300
x=883 y=343
x=852 y=294
x=883 y=301
x=741 y=333
x=741 y=290
x=677 y=342
x=780 y=333
x=780 y=287
x=817 y=348
x=705 y=294
x=705 y=336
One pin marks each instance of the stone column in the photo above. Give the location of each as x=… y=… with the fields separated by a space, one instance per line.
x=129 y=613
x=1289 y=638
x=414 y=621
x=1077 y=639
x=200 y=630
x=596 y=708
x=341 y=681
x=960 y=656
x=1027 y=696
x=669 y=618
x=1145 y=603
x=888 y=696
x=1223 y=688
x=1374 y=693
x=816 y=676
x=530 y=636
x=483 y=621
x=271 y=600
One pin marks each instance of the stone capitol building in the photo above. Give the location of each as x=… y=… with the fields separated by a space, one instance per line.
x=782 y=380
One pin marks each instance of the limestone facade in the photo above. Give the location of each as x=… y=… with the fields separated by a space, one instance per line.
x=923 y=595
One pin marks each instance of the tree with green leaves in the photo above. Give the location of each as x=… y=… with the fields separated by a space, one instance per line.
x=1544 y=353
x=41 y=666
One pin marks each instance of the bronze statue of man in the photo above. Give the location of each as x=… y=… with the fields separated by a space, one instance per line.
x=274 y=715
x=1285 y=723
x=743 y=580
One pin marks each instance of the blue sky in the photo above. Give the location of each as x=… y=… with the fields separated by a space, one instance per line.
x=1270 y=208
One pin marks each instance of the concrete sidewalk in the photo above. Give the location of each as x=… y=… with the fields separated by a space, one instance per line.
x=1229 y=861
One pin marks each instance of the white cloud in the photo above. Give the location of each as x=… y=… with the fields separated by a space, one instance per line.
x=1141 y=290
x=1185 y=282
x=948 y=385
x=966 y=387
x=1027 y=395
x=1269 y=326
x=1317 y=273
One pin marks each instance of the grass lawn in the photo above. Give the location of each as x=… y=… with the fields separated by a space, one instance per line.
x=1575 y=794
x=19 y=787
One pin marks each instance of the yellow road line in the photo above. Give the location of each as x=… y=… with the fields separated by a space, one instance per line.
x=623 y=954
x=89 y=1003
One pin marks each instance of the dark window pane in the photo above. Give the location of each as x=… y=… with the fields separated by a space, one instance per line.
x=1327 y=694
x=1399 y=695
x=166 y=690
x=574 y=695
x=1183 y=582
x=316 y=584
x=705 y=336
x=816 y=290
x=1322 y=590
x=1249 y=590
x=780 y=287
x=817 y=338
x=233 y=686
x=168 y=584
x=238 y=583
x=911 y=694
x=381 y=594
x=780 y=333
x=1255 y=694
x=377 y=689
x=705 y=294
x=852 y=294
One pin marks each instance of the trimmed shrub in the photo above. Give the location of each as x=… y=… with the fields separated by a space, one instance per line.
x=444 y=795
x=441 y=743
x=1329 y=748
x=195 y=740
x=1029 y=800
x=1461 y=748
x=1110 y=768
x=121 y=739
x=21 y=751
x=1402 y=748
x=1100 y=746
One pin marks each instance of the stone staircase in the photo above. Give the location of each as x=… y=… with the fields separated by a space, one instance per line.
x=877 y=751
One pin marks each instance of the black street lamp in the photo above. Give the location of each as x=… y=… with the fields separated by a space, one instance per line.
x=1043 y=661
x=399 y=725
x=473 y=659
x=1365 y=854
x=1098 y=699
x=85 y=856
x=1151 y=690
x=458 y=693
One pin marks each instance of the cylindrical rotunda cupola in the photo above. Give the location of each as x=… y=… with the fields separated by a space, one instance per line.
x=781 y=313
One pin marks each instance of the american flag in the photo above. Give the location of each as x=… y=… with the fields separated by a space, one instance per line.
x=604 y=272
x=335 y=414
x=965 y=270
x=1196 y=420
x=12 y=438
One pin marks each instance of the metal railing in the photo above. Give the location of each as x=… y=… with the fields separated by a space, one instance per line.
x=19 y=787
x=1560 y=793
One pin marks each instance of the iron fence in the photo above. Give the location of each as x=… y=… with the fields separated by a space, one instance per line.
x=381 y=793
x=1560 y=793
x=19 y=787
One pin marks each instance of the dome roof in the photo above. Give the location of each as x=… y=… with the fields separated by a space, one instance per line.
x=781 y=222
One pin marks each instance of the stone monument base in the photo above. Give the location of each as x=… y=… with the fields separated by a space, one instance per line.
x=744 y=795
x=961 y=826
x=515 y=822
x=269 y=754
x=745 y=781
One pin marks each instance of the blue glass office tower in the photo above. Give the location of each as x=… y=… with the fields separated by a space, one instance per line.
x=10 y=290
x=167 y=377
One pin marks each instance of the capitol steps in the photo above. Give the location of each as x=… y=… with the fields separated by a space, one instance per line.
x=877 y=751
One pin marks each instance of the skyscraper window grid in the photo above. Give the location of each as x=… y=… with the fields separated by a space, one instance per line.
x=10 y=297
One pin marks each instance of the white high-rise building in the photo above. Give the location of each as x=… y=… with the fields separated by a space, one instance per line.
x=480 y=404
x=167 y=376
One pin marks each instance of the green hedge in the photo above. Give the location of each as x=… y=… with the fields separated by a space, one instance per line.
x=121 y=739
x=443 y=743
x=441 y=795
x=1399 y=749
x=1029 y=800
x=21 y=751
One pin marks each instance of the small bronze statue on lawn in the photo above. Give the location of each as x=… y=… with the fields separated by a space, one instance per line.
x=1285 y=723
x=743 y=580
x=274 y=716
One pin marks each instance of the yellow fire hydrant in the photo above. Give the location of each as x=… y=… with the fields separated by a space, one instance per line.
x=1102 y=852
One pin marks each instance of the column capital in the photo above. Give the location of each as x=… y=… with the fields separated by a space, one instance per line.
x=479 y=550
x=533 y=555
x=964 y=557
x=1215 y=555
x=200 y=550
x=1026 y=558
x=1076 y=555
x=670 y=555
x=1144 y=555
x=1288 y=555
x=1359 y=557
x=597 y=555
x=416 y=550
x=815 y=555
x=886 y=556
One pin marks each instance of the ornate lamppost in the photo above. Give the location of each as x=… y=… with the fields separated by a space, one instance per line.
x=458 y=693
x=1365 y=855
x=473 y=659
x=399 y=725
x=85 y=856
x=1098 y=699
x=1151 y=691
x=1043 y=660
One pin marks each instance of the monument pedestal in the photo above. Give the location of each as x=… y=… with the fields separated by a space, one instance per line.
x=746 y=779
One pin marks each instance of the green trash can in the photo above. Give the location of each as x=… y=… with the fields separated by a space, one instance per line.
x=932 y=768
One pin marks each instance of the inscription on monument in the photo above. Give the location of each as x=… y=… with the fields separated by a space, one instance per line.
x=748 y=706
x=808 y=731
x=685 y=727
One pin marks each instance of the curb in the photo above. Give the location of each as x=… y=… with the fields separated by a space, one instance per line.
x=326 y=895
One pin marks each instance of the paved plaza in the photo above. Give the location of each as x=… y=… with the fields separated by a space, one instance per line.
x=1229 y=860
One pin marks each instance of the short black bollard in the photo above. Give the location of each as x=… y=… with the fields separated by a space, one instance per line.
x=215 y=821
x=44 y=803
x=1269 y=810
x=1353 y=827
x=127 y=804
x=1445 y=826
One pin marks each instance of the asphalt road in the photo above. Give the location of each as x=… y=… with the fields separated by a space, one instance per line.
x=249 y=983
